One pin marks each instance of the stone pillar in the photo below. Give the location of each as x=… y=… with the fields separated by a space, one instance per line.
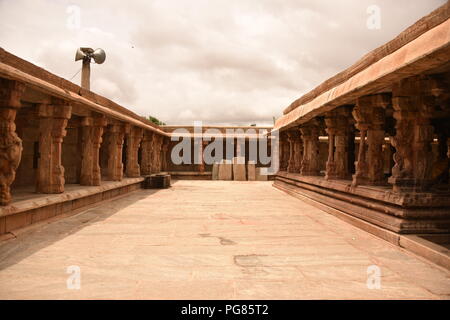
x=413 y=106
x=10 y=143
x=133 y=139
x=52 y=130
x=341 y=141
x=115 y=145
x=146 y=155
x=92 y=132
x=292 y=155
x=369 y=115
x=165 y=157
x=156 y=153
x=201 y=167
x=285 y=151
x=310 y=136
x=298 y=151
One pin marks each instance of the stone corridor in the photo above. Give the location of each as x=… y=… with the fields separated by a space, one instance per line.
x=210 y=240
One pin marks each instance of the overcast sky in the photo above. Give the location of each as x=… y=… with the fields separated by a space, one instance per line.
x=218 y=61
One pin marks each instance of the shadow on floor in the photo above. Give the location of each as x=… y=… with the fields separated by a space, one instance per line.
x=14 y=250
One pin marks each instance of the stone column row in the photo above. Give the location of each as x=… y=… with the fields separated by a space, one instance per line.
x=414 y=101
x=53 y=118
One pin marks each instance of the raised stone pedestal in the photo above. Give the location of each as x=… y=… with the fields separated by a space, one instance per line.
x=239 y=169
x=251 y=171
x=260 y=176
x=215 y=171
x=225 y=170
x=156 y=181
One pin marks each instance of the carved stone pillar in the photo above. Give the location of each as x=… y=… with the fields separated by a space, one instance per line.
x=292 y=151
x=52 y=130
x=298 y=147
x=310 y=136
x=340 y=143
x=166 y=157
x=133 y=138
x=10 y=143
x=369 y=115
x=282 y=150
x=146 y=153
x=201 y=166
x=92 y=131
x=115 y=145
x=295 y=151
x=156 y=153
x=413 y=108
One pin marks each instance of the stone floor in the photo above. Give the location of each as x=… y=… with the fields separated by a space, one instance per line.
x=210 y=240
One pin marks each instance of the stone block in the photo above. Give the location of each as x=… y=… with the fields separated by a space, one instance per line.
x=159 y=181
x=225 y=170
x=260 y=176
x=251 y=171
x=239 y=169
x=215 y=171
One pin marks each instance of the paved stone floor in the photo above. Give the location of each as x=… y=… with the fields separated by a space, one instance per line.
x=210 y=240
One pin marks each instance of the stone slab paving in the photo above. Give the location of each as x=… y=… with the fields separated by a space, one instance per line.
x=210 y=240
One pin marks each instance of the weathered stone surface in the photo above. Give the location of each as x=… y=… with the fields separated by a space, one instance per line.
x=225 y=170
x=239 y=169
x=264 y=250
x=251 y=170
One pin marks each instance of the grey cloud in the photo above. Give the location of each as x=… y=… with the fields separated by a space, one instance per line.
x=218 y=61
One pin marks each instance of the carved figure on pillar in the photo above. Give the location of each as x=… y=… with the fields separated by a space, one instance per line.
x=52 y=130
x=10 y=143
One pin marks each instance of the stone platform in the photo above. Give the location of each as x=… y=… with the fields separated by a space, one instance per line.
x=407 y=213
x=29 y=207
x=191 y=175
x=211 y=240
